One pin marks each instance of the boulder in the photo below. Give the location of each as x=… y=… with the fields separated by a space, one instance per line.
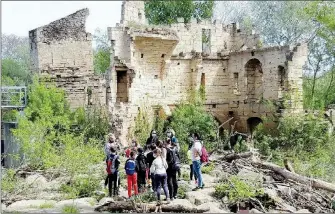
x=214 y=207
x=250 y=176
x=3 y=207
x=30 y=205
x=37 y=181
x=201 y=196
x=253 y=210
x=303 y=211
x=183 y=202
x=272 y=193
x=83 y=204
x=105 y=200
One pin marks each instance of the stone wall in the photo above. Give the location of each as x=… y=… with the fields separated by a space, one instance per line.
x=62 y=50
x=240 y=78
x=160 y=65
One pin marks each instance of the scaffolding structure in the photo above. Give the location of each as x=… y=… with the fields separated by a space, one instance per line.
x=13 y=97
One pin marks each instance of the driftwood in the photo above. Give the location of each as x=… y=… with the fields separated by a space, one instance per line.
x=235 y=156
x=121 y=206
x=288 y=165
x=316 y=183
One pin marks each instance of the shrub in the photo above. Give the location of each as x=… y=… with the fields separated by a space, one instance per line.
x=189 y=117
x=182 y=189
x=305 y=140
x=143 y=125
x=70 y=209
x=237 y=190
x=81 y=187
x=9 y=181
x=207 y=168
x=47 y=205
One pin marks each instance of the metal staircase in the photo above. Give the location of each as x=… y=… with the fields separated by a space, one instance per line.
x=13 y=97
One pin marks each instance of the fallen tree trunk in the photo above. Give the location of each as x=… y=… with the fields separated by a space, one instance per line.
x=316 y=183
x=235 y=156
x=120 y=206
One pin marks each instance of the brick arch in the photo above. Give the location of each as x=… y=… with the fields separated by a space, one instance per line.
x=254 y=79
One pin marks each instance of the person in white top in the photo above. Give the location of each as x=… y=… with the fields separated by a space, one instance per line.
x=158 y=168
x=196 y=154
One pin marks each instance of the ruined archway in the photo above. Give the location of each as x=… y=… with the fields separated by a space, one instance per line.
x=253 y=122
x=254 y=76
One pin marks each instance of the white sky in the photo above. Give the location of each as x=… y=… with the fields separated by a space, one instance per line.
x=19 y=17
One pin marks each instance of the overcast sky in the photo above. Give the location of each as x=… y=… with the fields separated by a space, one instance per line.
x=18 y=17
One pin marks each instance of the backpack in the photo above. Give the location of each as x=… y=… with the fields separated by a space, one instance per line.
x=142 y=166
x=204 y=155
x=111 y=169
x=175 y=161
x=130 y=167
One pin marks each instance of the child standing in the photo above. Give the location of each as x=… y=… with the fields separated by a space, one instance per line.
x=130 y=168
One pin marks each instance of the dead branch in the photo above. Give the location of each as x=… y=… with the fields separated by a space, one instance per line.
x=120 y=206
x=316 y=183
x=288 y=165
x=232 y=157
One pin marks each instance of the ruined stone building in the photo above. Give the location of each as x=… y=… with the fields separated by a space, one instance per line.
x=159 y=65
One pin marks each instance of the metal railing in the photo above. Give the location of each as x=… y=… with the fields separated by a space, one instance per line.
x=13 y=97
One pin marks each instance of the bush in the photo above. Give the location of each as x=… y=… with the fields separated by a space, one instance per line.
x=182 y=189
x=189 y=117
x=305 y=140
x=81 y=187
x=237 y=190
x=207 y=168
x=8 y=181
x=143 y=125
x=70 y=209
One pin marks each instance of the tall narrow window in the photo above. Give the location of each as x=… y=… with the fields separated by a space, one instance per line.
x=206 y=40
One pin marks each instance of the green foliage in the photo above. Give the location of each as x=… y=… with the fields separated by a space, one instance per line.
x=9 y=181
x=160 y=121
x=166 y=12
x=146 y=197
x=182 y=189
x=237 y=190
x=305 y=140
x=81 y=187
x=92 y=123
x=47 y=205
x=185 y=175
x=9 y=115
x=190 y=117
x=70 y=209
x=101 y=61
x=143 y=125
x=14 y=72
x=46 y=138
x=207 y=168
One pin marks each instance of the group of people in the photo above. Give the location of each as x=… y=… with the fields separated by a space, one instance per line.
x=156 y=163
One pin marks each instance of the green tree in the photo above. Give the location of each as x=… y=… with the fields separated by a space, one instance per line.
x=101 y=53
x=166 y=12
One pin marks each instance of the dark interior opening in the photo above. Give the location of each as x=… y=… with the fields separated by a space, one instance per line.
x=122 y=86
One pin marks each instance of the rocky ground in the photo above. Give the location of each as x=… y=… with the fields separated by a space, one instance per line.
x=281 y=195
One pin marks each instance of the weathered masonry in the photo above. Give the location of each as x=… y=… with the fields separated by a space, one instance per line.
x=159 y=65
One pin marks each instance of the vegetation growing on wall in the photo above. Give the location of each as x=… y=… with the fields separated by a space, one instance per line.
x=167 y=12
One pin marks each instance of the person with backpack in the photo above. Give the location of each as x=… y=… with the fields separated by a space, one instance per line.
x=107 y=148
x=130 y=167
x=158 y=169
x=141 y=169
x=172 y=158
x=150 y=160
x=204 y=155
x=172 y=136
x=196 y=160
x=113 y=163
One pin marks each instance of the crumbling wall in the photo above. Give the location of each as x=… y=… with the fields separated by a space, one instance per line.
x=62 y=50
x=241 y=79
